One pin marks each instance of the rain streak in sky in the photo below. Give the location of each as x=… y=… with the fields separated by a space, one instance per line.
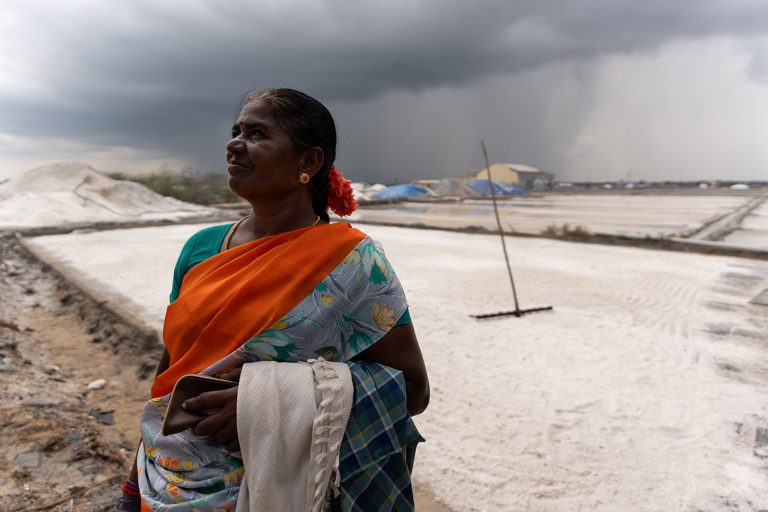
x=587 y=90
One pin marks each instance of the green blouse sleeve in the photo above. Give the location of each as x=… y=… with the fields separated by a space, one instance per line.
x=405 y=318
x=200 y=246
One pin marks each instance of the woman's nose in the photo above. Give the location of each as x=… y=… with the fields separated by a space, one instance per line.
x=235 y=145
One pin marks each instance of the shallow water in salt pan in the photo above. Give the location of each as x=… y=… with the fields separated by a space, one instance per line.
x=754 y=230
x=636 y=215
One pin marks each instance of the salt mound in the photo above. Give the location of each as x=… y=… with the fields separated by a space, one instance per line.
x=68 y=193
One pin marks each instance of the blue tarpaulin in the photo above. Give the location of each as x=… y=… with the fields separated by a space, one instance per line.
x=401 y=190
x=484 y=187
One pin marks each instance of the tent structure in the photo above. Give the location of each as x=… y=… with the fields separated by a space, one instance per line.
x=402 y=190
x=483 y=186
x=454 y=187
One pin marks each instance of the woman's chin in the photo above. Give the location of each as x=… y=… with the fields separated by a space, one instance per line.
x=236 y=185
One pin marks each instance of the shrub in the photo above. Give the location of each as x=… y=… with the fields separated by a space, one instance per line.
x=566 y=231
x=191 y=187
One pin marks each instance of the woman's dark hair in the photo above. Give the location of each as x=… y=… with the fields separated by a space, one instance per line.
x=308 y=123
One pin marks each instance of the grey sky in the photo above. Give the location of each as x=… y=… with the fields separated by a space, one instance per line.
x=589 y=89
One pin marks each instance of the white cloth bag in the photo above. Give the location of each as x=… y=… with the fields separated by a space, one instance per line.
x=291 y=419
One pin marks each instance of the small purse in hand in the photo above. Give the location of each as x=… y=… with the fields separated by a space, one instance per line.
x=189 y=386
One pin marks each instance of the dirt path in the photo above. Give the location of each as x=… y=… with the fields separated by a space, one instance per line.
x=64 y=442
x=68 y=447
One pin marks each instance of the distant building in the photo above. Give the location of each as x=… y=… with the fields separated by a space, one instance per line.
x=521 y=175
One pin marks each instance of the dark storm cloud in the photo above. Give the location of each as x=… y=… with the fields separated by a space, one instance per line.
x=167 y=75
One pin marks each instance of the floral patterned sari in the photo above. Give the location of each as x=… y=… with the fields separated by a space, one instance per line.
x=326 y=291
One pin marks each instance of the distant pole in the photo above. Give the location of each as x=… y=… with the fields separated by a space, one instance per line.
x=498 y=223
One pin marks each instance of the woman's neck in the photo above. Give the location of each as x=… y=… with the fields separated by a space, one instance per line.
x=265 y=223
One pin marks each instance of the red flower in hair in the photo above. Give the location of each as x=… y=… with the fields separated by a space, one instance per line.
x=340 y=197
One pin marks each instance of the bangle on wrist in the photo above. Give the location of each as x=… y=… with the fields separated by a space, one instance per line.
x=130 y=487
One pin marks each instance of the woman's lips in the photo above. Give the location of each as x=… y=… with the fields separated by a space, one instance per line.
x=234 y=167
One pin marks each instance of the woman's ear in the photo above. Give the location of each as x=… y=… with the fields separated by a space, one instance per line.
x=312 y=161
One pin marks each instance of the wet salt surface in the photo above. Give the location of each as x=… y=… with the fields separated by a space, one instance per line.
x=643 y=390
x=637 y=215
x=754 y=230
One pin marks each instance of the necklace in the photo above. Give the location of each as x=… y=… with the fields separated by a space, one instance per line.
x=228 y=238
x=232 y=230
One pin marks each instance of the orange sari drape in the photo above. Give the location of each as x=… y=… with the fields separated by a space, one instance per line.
x=233 y=296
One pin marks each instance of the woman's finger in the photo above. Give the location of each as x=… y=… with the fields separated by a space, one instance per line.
x=226 y=434
x=210 y=400
x=222 y=429
x=214 y=423
x=233 y=374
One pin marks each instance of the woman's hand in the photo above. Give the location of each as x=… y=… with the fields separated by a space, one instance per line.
x=221 y=426
x=233 y=374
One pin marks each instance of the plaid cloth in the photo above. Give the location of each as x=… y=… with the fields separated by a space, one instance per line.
x=379 y=446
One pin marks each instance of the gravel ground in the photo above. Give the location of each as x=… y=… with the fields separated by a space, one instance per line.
x=66 y=447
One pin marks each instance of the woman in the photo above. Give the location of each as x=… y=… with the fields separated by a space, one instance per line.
x=283 y=284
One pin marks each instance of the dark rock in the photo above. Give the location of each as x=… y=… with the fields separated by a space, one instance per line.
x=146 y=369
x=103 y=417
x=43 y=402
x=106 y=418
x=9 y=325
x=75 y=489
x=28 y=460
x=90 y=469
x=74 y=436
x=22 y=473
x=55 y=444
x=8 y=343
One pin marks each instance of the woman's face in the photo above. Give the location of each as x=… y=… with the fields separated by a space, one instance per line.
x=262 y=161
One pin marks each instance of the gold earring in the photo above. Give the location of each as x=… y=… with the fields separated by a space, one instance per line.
x=304 y=178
